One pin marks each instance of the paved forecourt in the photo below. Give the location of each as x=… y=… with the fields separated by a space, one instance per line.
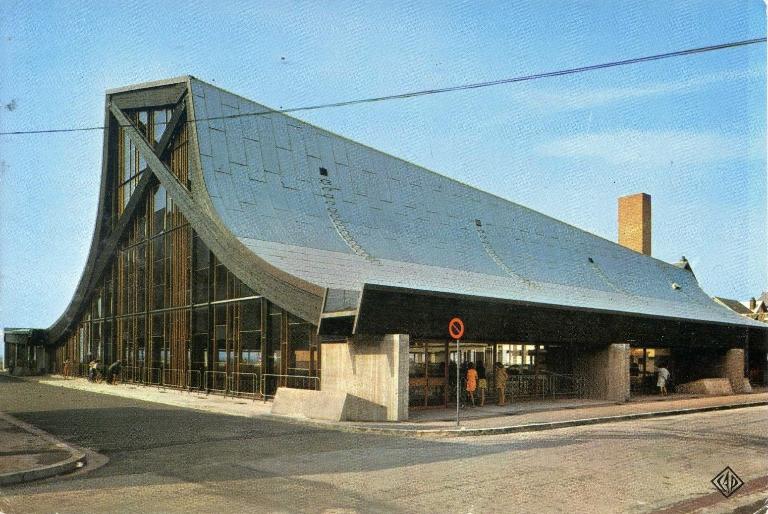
x=166 y=458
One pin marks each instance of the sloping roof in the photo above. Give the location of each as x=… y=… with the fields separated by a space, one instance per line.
x=340 y=215
x=313 y=221
x=735 y=305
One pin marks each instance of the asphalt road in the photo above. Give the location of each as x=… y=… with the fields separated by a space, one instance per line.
x=167 y=459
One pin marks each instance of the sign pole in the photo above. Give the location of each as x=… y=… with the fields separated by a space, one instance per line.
x=456 y=330
x=458 y=378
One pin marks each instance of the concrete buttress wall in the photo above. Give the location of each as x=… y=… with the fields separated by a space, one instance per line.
x=371 y=368
x=604 y=372
x=733 y=369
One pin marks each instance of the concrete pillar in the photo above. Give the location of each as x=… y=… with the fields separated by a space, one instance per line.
x=604 y=372
x=41 y=359
x=733 y=369
x=371 y=368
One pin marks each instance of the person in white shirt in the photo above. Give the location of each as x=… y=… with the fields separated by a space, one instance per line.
x=661 y=382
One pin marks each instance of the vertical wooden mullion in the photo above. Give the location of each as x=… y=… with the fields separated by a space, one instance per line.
x=148 y=342
x=211 y=335
x=263 y=326
x=447 y=378
x=284 y=342
x=426 y=373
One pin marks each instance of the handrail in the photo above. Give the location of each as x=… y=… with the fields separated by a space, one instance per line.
x=194 y=373
x=237 y=380
x=170 y=378
x=314 y=380
x=210 y=374
x=150 y=380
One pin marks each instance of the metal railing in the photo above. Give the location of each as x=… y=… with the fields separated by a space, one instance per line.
x=154 y=376
x=132 y=374
x=194 y=379
x=174 y=378
x=302 y=372
x=543 y=386
x=217 y=381
x=246 y=384
x=519 y=387
x=271 y=381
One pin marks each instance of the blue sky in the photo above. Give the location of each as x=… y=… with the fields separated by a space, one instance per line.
x=689 y=131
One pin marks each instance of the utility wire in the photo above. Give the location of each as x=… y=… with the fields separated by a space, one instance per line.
x=425 y=92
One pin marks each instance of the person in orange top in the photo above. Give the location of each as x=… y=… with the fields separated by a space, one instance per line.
x=471 y=382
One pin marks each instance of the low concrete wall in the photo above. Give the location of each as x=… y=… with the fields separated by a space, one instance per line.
x=706 y=386
x=327 y=405
x=373 y=369
x=604 y=372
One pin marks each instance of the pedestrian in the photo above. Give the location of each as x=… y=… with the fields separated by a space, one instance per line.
x=500 y=381
x=482 y=383
x=661 y=382
x=113 y=371
x=92 y=370
x=101 y=371
x=471 y=382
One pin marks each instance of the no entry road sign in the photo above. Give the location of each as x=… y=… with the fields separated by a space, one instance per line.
x=456 y=328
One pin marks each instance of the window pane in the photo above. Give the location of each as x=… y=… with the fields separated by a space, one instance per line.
x=160 y=123
x=220 y=281
x=159 y=208
x=201 y=254
x=251 y=312
x=200 y=288
x=142 y=122
x=201 y=321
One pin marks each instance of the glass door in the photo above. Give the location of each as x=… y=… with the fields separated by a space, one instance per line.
x=428 y=374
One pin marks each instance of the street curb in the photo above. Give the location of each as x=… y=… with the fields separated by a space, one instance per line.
x=529 y=427
x=76 y=460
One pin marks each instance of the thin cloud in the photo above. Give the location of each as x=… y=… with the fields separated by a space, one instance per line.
x=570 y=99
x=653 y=148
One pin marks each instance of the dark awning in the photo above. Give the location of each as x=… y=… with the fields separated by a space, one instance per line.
x=386 y=310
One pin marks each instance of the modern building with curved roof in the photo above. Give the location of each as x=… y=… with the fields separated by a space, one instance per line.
x=239 y=248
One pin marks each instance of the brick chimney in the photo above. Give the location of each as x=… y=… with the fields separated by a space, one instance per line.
x=635 y=222
x=752 y=304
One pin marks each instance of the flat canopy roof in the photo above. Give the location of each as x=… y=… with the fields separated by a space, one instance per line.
x=27 y=336
x=426 y=315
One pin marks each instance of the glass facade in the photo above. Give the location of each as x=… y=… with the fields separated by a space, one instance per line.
x=131 y=164
x=169 y=310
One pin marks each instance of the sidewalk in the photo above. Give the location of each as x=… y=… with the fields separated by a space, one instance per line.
x=554 y=417
x=27 y=453
x=516 y=417
x=197 y=400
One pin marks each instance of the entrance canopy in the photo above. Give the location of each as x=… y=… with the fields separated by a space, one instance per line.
x=426 y=314
x=25 y=336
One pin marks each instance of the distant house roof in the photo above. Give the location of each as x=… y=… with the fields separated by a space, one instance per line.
x=683 y=264
x=734 y=305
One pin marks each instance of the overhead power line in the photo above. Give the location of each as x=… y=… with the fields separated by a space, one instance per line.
x=462 y=87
